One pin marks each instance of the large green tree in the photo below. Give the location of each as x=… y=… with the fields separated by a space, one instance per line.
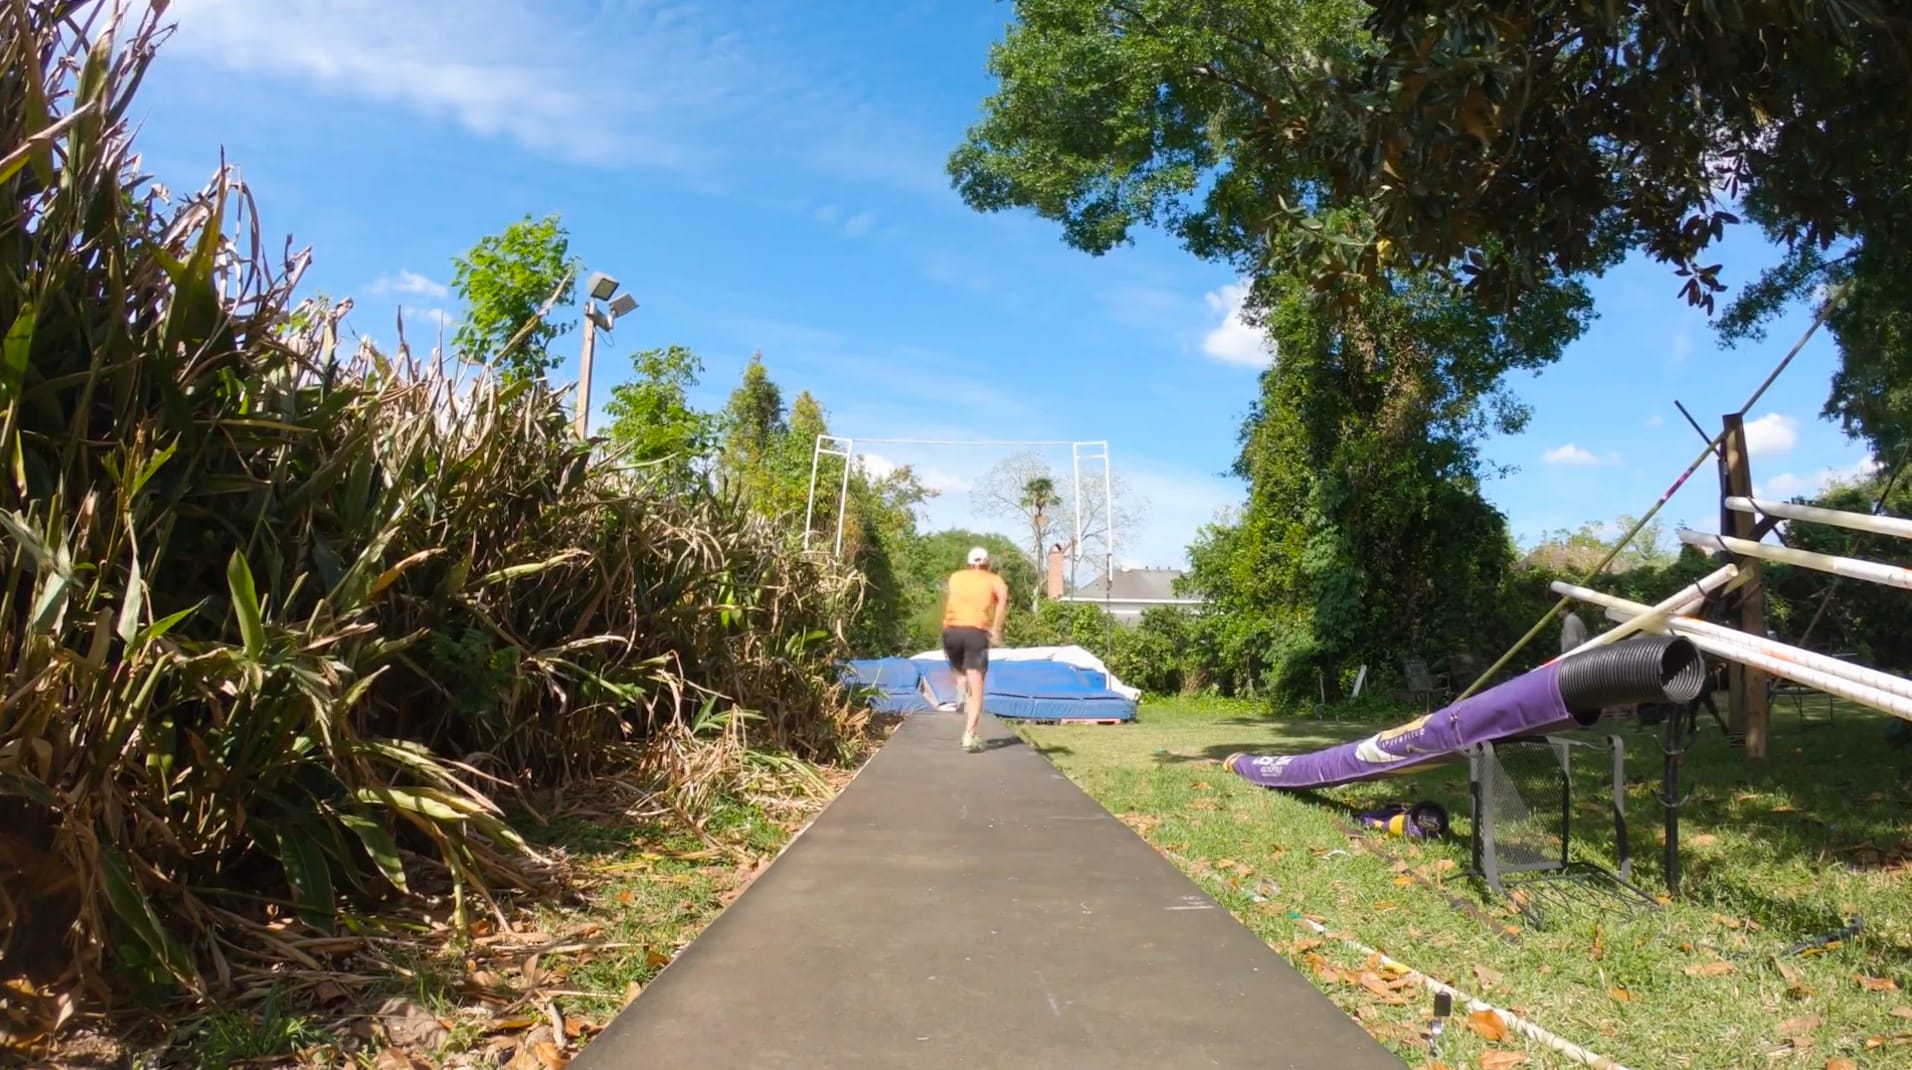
x=510 y=283
x=1500 y=142
x=1509 y=141
x=1365 y=537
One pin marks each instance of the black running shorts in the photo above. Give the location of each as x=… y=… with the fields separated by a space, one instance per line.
x=966 y=648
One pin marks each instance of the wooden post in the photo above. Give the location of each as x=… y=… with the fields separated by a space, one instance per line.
x=1746 y=685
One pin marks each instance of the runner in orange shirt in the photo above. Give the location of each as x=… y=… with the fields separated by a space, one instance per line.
x=972 y=623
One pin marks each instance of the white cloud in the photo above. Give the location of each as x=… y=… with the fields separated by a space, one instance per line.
x=877 y=466
x=1682 y=345
x=1234 y=340
x=826 y=213
x=619 y=83
x=410 y=282
x=1576 y=456
x=859 y=224
x=1792 y=485
x=1771 y=435
x=1655 y=420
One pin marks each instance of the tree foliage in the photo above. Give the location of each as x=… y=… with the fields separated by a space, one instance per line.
x=1509 y=142
x=766 y=457
x=652 y=419
x=509 y=283
x=1365 y=537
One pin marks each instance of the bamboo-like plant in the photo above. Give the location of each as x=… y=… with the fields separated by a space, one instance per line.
x=279 y=623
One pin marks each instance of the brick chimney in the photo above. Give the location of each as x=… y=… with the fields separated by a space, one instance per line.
x=1055 y=571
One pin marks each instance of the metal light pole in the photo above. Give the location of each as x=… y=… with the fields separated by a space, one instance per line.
x=601 y=287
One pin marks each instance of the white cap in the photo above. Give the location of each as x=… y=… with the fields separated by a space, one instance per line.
x=978 y=556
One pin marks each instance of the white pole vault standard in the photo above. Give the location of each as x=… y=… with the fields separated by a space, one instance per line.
x=1812 y=514
x=828 y=446
x=1093 y=452
x=1870 y=687
x=845 y=447
x=1850 y=567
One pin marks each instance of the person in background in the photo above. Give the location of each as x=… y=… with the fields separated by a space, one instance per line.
x=1573 y=630
x=973 y=615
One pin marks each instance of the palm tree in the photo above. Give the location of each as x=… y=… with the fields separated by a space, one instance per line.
x=1038 y=494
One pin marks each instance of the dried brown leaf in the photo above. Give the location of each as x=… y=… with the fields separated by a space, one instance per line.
x=1710 y=969
x=1488 y=978
x=1501 y=1059
x=1793 y=1027
x=1487 y=1025
x=1877 y=984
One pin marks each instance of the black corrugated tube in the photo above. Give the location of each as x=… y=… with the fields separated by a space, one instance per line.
x=1651 y=668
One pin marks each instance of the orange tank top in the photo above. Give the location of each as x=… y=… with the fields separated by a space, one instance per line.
x=971 y=594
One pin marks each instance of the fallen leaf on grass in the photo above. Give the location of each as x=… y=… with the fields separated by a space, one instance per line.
x=550 y=1056
x=1620 y=994
x=393 y=1059
x=1500 y=1059
x=1902 y=1012
x=1710 y=969
x=1894 y=1040
x=1488 y=1025
x=1841 y=1063
x=1704 y=839
x=1793 y=1027
x=631 y=992
x=1877 y=984
x=1488 y=978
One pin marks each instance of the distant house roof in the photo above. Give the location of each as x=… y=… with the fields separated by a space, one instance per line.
x=1149 y=586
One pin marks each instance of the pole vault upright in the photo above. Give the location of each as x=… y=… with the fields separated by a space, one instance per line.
x=845 y=447
x=829 y=446
x=1094 y=452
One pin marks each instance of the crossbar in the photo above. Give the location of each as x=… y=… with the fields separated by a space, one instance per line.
x=1878 y=525
x=1850 y=567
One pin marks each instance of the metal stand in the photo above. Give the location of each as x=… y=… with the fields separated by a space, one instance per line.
x=1514 y=850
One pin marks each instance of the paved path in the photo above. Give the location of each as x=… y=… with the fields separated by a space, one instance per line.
x=977 y=911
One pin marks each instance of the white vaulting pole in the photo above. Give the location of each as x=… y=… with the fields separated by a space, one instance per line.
x=1651 y=616
x=1860 y=684
x=1812 y=514
x=1622 y=609
x=1850 y=567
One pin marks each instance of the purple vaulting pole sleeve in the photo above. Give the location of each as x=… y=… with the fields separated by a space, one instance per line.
x=1529 y=703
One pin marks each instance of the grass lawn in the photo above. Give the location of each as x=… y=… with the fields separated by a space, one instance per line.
x=1772 y=854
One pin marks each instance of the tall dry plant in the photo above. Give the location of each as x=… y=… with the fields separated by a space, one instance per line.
x=279 y=624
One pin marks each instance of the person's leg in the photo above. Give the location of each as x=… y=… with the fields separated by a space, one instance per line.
x=973 y=706
x=953 y=653
x=975 y=665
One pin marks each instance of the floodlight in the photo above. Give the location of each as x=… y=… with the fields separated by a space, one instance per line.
x=623 y=306
x=602 y=286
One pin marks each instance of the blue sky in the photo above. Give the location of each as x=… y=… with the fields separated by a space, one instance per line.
x=766 y=175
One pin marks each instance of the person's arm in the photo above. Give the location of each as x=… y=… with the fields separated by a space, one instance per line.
x=1002 y=611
